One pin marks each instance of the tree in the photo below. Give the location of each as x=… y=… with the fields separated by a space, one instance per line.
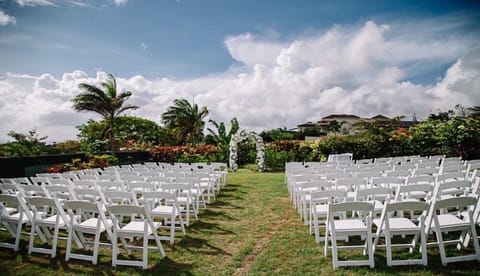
x=474 y=111
x=106 y=102
x=277 y=134
x=220 y=137
x=185 y=121
x=28 y=144
x=140 y=131
x=441 y=116
x=335 y=126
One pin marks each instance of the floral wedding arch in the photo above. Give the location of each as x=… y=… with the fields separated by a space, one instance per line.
x=240 y=137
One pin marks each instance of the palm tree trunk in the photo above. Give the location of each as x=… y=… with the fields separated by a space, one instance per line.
x=112 y=135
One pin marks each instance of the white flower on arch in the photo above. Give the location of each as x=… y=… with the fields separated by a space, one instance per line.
x=254 y=137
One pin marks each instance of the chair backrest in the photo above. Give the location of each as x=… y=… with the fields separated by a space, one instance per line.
x=124 y=210
x=155 y=198
x=69 y=175
x=454 y=205
x=399 y=173
x=60 y=181
x=8 y=189
x=376 y=193
x=87 y=206
x=120 y=197
x=328 y=196
x=32 y=190
x=388 y=182
x=420 y=179
x=361 y=208
x=140 y=186
x=84 y=184
x=22 y=180
x=453 y=188
x=9 y=201
x=350 y=184
x=46 y=206
x=426 y=171
x=88 y=194
x=417 y=191
x=39 y=180
x=111 y=185
x=60 y=192
x=132 y=178
x=451 y=176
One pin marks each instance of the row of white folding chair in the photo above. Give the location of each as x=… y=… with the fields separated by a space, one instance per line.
x=320 y=198
x=42 y=222
x=393 y=223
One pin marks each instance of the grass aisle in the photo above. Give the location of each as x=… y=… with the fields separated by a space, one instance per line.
x=251 y=228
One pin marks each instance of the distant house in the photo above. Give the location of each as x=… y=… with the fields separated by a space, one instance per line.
x=346 y=122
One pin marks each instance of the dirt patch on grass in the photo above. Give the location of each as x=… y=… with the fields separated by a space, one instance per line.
x=259 y=246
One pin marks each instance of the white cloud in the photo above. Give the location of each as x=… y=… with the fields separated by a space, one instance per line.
x=6 y=19
x=119 y=3
x=362 y=69
x=143 y=46
x=33 y=3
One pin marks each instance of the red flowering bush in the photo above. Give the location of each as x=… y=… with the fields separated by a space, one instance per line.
x=172 y=154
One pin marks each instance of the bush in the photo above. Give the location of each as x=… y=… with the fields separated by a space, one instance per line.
x=171 y=154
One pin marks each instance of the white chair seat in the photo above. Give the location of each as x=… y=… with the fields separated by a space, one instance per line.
x=398 y=224
x=164 y=210
x=90 y=225
x=450 y=221
x=321 y=209
x=349 y=225
x=137 y=227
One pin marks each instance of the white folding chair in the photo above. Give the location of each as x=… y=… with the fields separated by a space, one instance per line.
x=339 y=227
x=456 y=220
x=12 y=219
x=304 y=191
x=378 y=196
x=393 y=223
x=185 y=200
x=86 y=218
x=319 y=201
x=111 y=185
x=141 y=225
x=164 y=205
x=120 y=197
x=47 y=214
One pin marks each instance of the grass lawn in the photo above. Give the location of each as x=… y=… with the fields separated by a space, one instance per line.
x=251 y=228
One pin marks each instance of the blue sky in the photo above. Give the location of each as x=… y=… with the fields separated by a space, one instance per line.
x=223 y=53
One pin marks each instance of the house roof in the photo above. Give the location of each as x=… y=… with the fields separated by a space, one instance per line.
x=380 y=117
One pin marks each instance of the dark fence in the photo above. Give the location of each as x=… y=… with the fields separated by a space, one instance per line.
x=30 y=165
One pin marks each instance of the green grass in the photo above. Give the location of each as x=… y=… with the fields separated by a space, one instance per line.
x=251 y=228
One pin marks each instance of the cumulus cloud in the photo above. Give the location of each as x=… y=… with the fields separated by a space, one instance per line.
x=6 y=19
x=363 y=69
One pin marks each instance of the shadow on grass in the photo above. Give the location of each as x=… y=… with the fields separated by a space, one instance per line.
x=200 y=246
x=217 y=215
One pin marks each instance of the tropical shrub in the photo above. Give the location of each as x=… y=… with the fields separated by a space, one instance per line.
x=170 y=154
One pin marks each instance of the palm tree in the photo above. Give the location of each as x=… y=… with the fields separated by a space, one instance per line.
x=474 y=111
x=104 y=101
x=221 y=138
x=185 y=121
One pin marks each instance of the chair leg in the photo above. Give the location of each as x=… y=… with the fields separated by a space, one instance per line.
x=145 y=252
x=95 y=247
x=32 y=237
x=441 y=247
x=55 y=240
x=69 y=244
